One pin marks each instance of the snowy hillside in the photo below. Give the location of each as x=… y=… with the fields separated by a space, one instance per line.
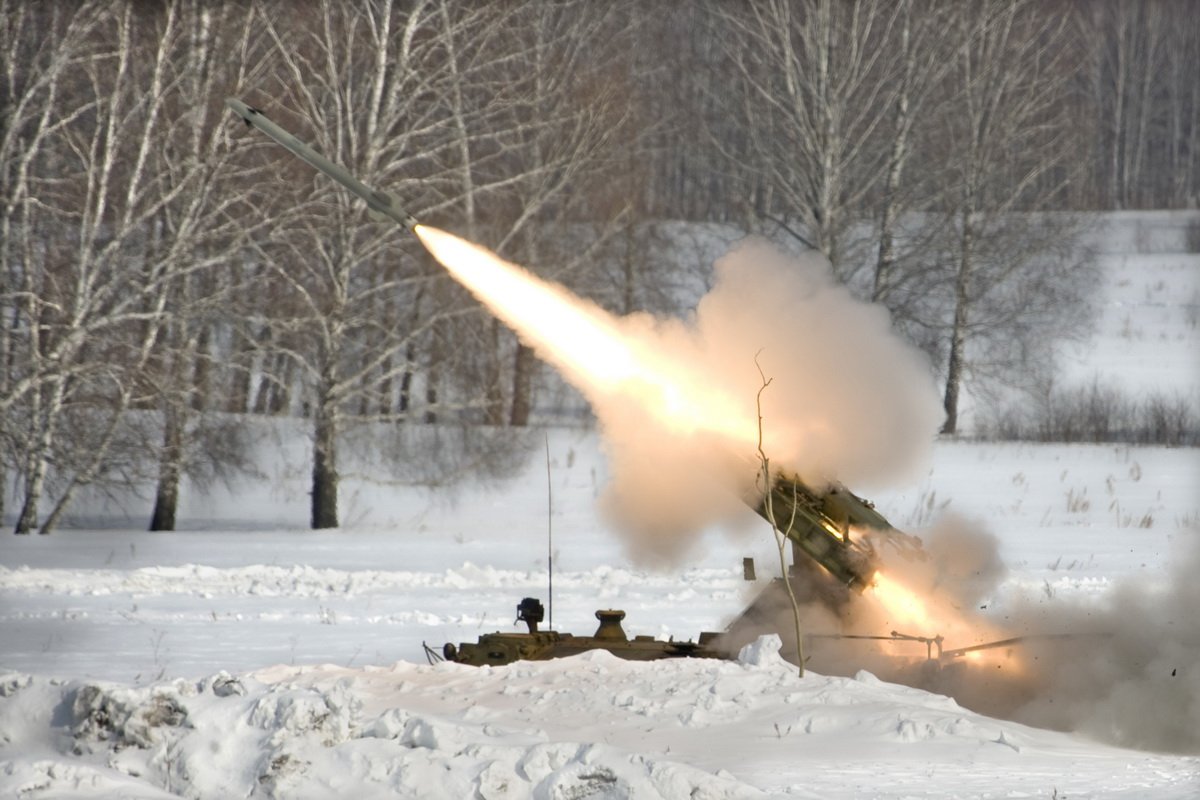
x=249 y=657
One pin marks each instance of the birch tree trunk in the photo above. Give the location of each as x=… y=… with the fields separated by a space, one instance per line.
x=39 y=456
x=324 y=471
x=958 y=328
x=1006 y=141
x=170 y=467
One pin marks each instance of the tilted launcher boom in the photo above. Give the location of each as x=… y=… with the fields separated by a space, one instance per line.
x=820 y=525
x=380 y=205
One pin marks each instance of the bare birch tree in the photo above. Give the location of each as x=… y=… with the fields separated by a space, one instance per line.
x=84 y=290
x=361 y=79
x=814 y=97
x=121 y=221
x=42 y=49
x=208 y=238
x=395 y=95
x=1007 y=149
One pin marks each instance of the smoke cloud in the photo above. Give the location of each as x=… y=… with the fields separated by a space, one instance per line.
x=847 y=399
x=1130 y=674
x=1123 y=669
x=843 y=399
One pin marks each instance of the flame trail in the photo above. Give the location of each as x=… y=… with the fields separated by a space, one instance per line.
x=911 y=612
x=586 y=342
x=908 y=609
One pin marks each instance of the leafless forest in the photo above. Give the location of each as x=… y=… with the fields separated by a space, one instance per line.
x=168 y=274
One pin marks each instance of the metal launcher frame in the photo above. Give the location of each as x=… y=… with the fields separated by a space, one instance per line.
x=819 y=526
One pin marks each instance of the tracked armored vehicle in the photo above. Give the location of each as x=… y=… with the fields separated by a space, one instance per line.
x=498 y=648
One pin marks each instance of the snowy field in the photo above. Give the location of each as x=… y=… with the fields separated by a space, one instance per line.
x=288 y=663
x=248 y=657
x=1148 y=332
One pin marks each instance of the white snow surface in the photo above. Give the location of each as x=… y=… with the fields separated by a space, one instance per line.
x=1147 y=334
x=588 y=726
x=246 y=656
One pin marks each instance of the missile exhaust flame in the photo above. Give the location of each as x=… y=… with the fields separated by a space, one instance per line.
x=587 y=342
x=908 y=609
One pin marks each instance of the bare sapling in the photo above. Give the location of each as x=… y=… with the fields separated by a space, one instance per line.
x=769 y=509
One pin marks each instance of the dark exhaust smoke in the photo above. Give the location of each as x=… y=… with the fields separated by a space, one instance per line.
x=1131 y=676
x=1123 y=668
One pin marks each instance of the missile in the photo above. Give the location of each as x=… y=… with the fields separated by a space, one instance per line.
x=380 y=204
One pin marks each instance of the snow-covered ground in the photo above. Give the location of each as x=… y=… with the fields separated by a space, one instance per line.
x=249 y=657
x=590 y=726
x=288 y=663
x=1147 y=334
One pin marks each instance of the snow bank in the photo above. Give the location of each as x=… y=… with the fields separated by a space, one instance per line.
x=241 y=737
x=589 y=726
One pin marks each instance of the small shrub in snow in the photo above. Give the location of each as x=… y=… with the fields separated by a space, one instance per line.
x=1098 y=413
x=225 y=685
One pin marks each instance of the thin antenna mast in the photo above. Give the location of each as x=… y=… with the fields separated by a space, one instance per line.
x=549 y=538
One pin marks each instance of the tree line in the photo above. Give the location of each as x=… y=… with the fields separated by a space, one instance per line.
x=164 y=273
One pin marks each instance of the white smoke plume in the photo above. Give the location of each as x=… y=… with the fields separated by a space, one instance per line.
x=848 y=400
x=842 y=398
